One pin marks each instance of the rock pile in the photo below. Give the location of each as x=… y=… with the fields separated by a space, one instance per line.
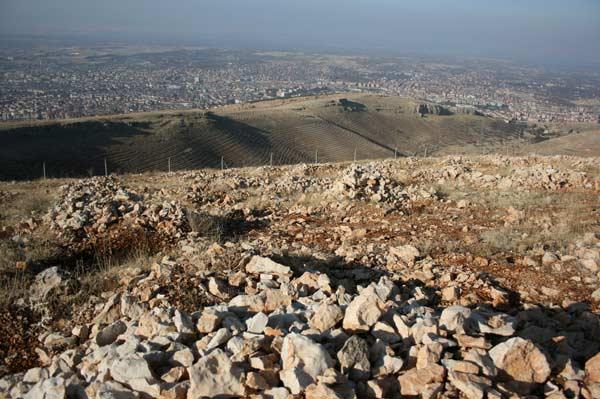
x=292 y=336
x=367 y=182
x=232 y=186
x=91 y=207
x=538 y=176
x=379 y=181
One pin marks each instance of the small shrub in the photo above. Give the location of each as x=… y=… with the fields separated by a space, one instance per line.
x=13 y=282
x=210 y=226
x=499 y=239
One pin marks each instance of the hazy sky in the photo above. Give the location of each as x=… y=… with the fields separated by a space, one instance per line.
x=559 y=30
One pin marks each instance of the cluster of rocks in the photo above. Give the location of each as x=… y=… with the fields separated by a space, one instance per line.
x=538 y=176
x=587 y=251
x=286 y=335
x=373 y=181
x=91 y=207
x=233 y=187
x=583 y=253
x=550 y=178
x=202 y=190
x=380 y=182
x=369 y=182
x=5 y=195
x=573 y=162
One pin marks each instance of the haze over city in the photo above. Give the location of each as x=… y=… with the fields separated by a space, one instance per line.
x=544 y=31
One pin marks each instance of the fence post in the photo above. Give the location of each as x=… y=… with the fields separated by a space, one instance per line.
x=105 y=168
x=354 y=154
x=169 y=163
x=317 y=155
x=395 y=152
x=44 y=169
x=222 y=163
x=425 y=151
x=271 y=160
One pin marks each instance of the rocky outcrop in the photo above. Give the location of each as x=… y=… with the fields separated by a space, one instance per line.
x=431 y=109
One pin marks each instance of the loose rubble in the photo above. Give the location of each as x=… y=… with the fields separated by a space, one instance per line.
x=305 y=336
x=526 y=173
x=89 y=208
x=367 y=182
x=318 y=281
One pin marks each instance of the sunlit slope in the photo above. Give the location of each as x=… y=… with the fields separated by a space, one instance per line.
x=585 y=144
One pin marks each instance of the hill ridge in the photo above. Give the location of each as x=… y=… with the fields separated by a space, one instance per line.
x=246 y=135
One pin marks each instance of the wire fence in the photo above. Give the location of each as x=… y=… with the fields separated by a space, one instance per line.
x=107 y=165
x=103 y=165
x=102 y=148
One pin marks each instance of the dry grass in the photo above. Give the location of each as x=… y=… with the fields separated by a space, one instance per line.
x=525 y=238
x=212 y=227
x=434 y=247
x=257 y=199
x=29 y=202
x=552 y=221
x=26 y=201
x=103 y=273
x=13 y=287
x=522 y=200
x=9 y=254
x=504 y=239
x=94 y=279
x=451 y=192
x=88 y=273
x=14 y=282
x=312 y=200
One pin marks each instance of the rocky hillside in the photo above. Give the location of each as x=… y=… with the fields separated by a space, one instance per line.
x=454 y=277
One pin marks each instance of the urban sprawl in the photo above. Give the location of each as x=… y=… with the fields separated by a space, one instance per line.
x=67 y=83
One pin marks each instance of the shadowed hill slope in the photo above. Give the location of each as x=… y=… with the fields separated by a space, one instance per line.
x=330 y=128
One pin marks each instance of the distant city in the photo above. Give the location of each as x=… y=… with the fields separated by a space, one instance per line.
x=72 y=82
